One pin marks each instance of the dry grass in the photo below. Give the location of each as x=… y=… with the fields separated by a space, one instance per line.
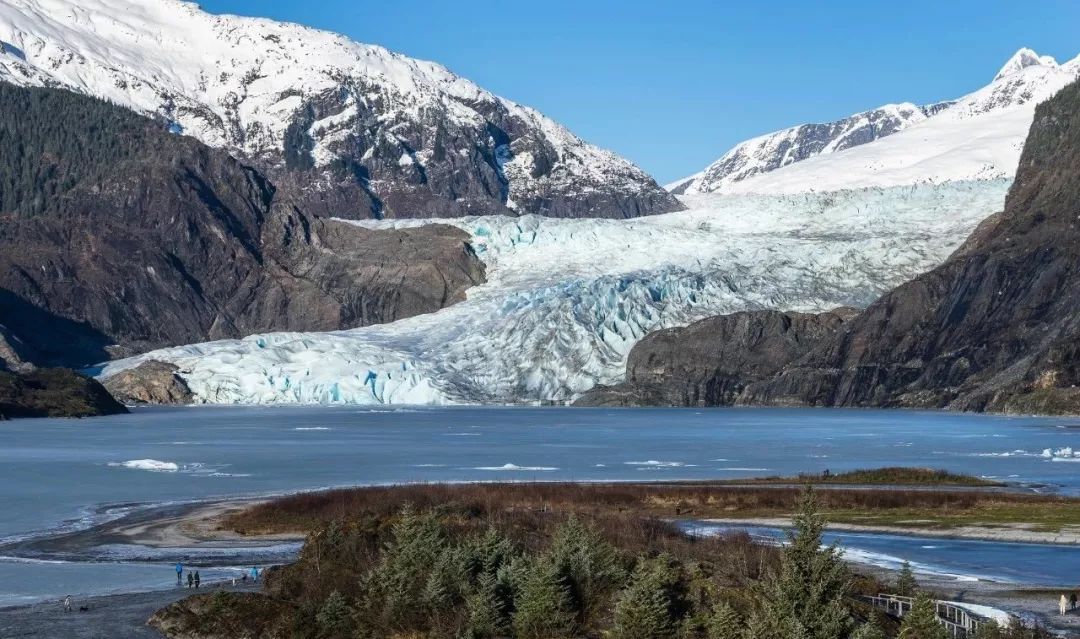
x=309 y=511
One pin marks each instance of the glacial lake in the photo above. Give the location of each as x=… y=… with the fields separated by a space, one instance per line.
x=65 y=474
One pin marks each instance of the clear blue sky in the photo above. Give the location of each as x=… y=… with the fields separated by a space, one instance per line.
x=672 y=85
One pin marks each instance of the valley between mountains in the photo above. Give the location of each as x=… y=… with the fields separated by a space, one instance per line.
x=330 y=222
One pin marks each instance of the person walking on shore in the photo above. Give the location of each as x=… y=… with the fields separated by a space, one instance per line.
x=1072 y=601
x=190 y=580
x=1063 y=604
x=179 y=573
x=254 y=574
x=197 y=580
x=67 y=603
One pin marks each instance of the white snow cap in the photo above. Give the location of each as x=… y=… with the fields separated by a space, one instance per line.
x=1023 y=59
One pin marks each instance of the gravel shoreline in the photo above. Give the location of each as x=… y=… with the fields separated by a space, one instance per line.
x=105 y=617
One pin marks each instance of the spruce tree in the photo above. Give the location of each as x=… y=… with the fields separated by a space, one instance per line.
x=868 y=630
x=806 y=596
x=725 y=623
x=645 y=609
x=921 y=622
x=544 y=606
x=592 y=567
x=906 y=586
x=334 y=618
x=488 y=615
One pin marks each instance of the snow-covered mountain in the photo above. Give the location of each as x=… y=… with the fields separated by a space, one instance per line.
x=345 y=128
x=354 y=131
x=978 y=136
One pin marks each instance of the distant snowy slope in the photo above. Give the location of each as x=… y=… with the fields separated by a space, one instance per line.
x=978 y=136
x=341 y=123
x=567 y=299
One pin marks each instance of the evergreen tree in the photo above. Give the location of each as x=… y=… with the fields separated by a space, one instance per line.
x=646 y=609
x=806 y=596
x=868 y=630
x=906 y=586
x=334 y=617
x=921 y=622
x=392 y=596
x=592 y=567
x=487 y=610
x=725 y=623
x=544 y=606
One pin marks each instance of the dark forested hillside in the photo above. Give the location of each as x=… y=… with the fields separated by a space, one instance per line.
x=43 y=158
x=117 y=236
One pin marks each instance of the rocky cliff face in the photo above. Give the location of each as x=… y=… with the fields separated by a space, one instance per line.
x=710 y=363
x=996 y=327
x=149 y=383
x=344 y=128
x=136 y=238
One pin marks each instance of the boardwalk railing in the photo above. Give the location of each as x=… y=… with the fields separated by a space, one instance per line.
x=959 y=621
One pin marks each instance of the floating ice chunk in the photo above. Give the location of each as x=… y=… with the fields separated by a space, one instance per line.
x=515 y=467
x=148 y=464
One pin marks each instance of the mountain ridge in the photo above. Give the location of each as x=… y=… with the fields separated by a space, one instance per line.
x=348 y=129
x=767 y=163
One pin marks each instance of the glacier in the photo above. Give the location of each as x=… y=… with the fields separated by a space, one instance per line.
x=566 y=299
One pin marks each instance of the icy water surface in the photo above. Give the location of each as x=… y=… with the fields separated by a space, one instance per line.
x=964 y=560
x=57 y=474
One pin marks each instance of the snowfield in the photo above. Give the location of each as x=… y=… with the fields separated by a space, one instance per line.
x=979 y=136
x=566 y=299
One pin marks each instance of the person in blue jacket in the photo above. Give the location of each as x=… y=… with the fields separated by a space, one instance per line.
x=179 y=573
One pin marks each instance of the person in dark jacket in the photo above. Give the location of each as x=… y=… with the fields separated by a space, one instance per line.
x=190 y=580
x=197 y=579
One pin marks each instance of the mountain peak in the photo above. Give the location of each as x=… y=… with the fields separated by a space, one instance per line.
x=1023 y=59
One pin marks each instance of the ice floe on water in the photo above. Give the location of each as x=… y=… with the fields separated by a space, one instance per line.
x=654 y=463
x=1066 y=454
x=515 y=467
x=148 y=464
x=1063 y=454
x=193 y=468
x=311 y=428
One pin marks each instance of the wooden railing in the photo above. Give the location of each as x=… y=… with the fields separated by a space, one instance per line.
x=959 y=621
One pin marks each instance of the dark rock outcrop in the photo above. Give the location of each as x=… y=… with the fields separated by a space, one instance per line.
x=159 y=240
x=54 y=392
x=151 y=382
x=710 y=362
